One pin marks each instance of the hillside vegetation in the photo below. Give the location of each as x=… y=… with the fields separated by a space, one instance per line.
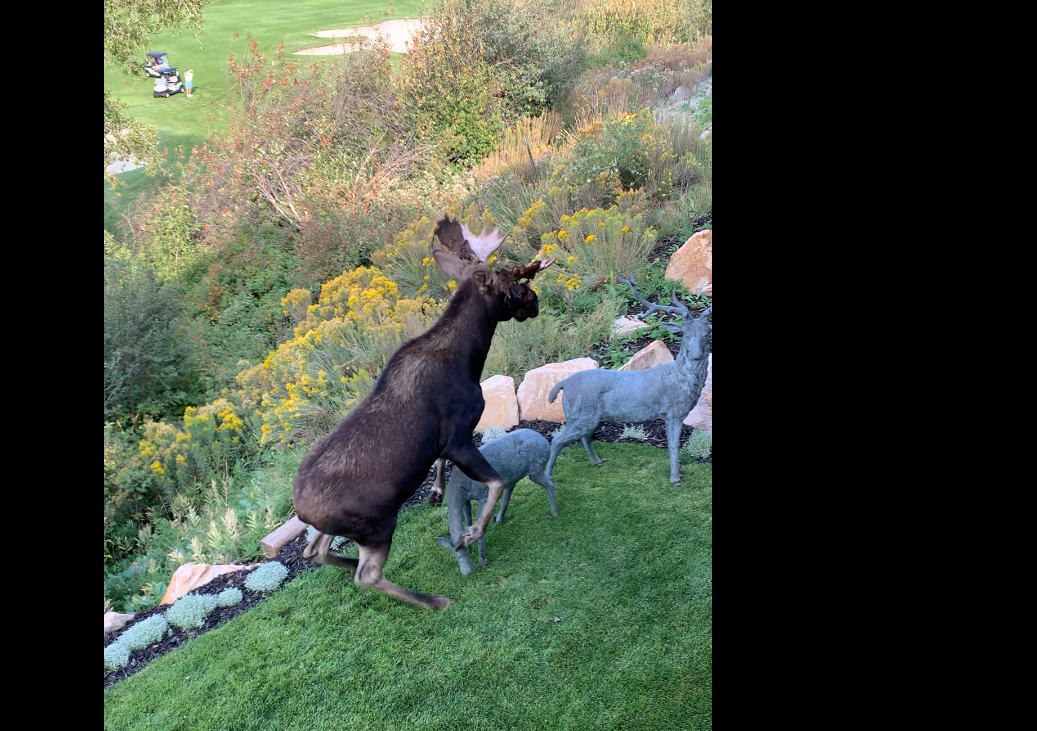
x=255 y=288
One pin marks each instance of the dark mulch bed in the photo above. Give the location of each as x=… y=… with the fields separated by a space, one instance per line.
x=291 y=555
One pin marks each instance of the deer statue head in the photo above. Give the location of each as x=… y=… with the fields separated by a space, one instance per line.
x=506 y=288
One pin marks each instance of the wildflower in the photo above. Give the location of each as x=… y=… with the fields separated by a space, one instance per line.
x=625 y=229
x=591 y=238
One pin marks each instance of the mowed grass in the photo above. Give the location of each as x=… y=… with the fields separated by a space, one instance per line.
x=600 y=618
x=185 y=123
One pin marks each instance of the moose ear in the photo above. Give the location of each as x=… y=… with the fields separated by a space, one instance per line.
x=484 y=279
x=449 y=263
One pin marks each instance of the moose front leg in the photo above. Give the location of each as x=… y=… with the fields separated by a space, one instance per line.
x=470 y=461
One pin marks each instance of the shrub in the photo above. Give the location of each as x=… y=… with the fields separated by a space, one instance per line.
x=146 y=632
x=305 y=387
x=613 y=154
x=451 y=88
x=492 y=432
x=591 y=245
x=229 y=597
x=634 y=432
x=267 y=577
x=699 y=444
x=116 y=656
x=142 y=355
x=191 y=610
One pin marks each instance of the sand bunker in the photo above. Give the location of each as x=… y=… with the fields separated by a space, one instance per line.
x=397 y=32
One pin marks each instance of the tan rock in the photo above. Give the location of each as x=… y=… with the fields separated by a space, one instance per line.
x=651 y=355
x=692 y=264
x=502 y=408
x=113 y=621
x=626 y=324
x=537 y=385
x=192 y=575
x=701 y=417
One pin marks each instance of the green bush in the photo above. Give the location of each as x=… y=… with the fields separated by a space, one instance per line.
x=699 y=445
x=116 y=656
x=450 y=87
x=229 y=597
x=191 y=610
x=143 y=356
x=267 y=577
x=146 y=632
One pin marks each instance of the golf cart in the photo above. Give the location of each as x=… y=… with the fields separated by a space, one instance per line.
x=167 y=83
x=156 y=61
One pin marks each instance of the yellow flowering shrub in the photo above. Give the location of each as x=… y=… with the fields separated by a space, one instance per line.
x=591 y=243
x=212 y=439
x=307 y=385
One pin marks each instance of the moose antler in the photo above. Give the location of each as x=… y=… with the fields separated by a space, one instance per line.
x=528 y=271
x=679 y=309
x=457 y=238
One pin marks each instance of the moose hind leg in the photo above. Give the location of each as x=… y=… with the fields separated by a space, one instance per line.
x=319 y=550
x=369 y=576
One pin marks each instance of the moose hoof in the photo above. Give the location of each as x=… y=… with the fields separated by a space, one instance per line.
x=438 y=602
x=468 y=538
x=435 y=498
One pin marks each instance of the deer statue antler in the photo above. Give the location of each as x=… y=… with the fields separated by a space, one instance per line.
x=678 y=309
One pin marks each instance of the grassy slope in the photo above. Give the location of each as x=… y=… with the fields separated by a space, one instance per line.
x=188 y=122
x=628 y=572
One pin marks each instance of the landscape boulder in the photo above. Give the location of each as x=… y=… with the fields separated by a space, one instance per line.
x=537 y=385
x=192 y=575
x=649 y=356
x=692 y=264
x=114 y=621
x=502 y=406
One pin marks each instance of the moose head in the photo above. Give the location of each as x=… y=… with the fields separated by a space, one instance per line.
x=464 y=257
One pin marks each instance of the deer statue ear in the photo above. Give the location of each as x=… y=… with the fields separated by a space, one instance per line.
x=449 y=263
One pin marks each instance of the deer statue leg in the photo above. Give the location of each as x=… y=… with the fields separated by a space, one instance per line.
x=568 y=435
x=470 y=460
x=482 y=541
x=435 y=494
x=598 y=461
x=319 y=550
x=548 y=484
x=459 y=517
x=369 y=576
x=673 y=441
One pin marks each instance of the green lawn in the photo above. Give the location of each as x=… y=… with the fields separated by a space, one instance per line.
x=598 y=619
x=188 y=122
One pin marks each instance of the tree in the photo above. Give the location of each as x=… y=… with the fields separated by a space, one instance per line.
x=127 y=24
